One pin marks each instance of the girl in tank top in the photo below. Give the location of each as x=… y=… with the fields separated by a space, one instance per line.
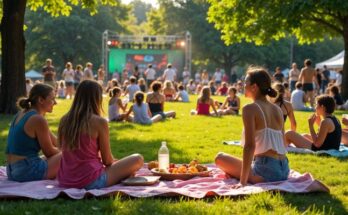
x=115 y=104
x=264 y=153
x=204 y=103
x=232 y=102
x=329 y=134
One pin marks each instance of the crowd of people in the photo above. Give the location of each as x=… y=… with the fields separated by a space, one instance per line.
x=80 y=157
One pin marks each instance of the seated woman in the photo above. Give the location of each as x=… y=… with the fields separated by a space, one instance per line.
x=286 y=106
x=29 y=134
x=169 y=91
x=329 y=135
x=156 y=100
x=115 y=104
x=232 y=102
x=204 y=103
x=334 y=92
x=264 y=153
x=87 y=161
x=141 y=111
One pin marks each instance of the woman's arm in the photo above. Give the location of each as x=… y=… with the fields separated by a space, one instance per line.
x=225 y=103
x=318 y=139
x=44 y=136
x=238 y=104
x=104 y=143
x=213 y=106
x=120 y=104
x=249 y=146
x=129 y=111
x=292 y=119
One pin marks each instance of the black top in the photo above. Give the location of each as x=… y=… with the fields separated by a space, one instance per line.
x=333 y=139
x=287 y=112
x=279 y=77
x=338 y=99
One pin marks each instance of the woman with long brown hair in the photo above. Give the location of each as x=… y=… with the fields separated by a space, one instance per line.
x=87 y=161
x=264 y=158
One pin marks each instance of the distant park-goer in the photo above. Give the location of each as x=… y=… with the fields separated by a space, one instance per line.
x=49 y=73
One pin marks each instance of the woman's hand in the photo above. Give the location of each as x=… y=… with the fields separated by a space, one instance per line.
x=312 y=119
x=237 y=186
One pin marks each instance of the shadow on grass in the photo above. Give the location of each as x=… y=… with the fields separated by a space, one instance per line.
x=324 y=202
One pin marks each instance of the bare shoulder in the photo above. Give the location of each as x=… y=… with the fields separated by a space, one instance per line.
x=249 y=108
x=288 y=105
x=98 y=120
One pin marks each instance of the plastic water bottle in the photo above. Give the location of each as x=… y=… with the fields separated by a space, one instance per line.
x=163 y=157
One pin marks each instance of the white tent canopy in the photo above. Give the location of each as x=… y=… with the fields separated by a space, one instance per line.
x=335 y=62
x=33 y=74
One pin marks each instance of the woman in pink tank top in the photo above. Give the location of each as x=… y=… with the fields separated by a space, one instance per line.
x=204 y=103
x=87 y=161
x=264 y=150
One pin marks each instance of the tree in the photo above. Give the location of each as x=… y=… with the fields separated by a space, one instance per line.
x=140 y=9
x=66 y=42
x=13 y=42
x=262 y=21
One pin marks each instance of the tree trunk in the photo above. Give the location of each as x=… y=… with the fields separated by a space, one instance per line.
x=344 y=86
x=13 y=45
x=228 y=64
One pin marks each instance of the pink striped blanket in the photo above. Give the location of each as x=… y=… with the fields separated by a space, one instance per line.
x=199 y=187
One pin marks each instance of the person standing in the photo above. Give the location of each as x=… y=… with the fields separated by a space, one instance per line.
x=278 y=75
x=169 y=73
x=185 y=76
x=217 y=77
x=101 y=75
x=78 y=76
x=325 y=79
x=233 y=76
x=68 y=75
x=293 y=76
x=150 y=74
x=88 y=73
x=49 y=73
x=307 y=78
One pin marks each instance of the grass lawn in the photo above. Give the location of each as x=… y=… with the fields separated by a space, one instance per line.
x=190 y=137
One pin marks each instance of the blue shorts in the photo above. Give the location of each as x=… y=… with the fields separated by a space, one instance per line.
x=29 y=169
x=271 y=169
x=163 y=115
x=98 y=183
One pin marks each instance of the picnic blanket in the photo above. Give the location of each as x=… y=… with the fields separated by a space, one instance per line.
x=199 y=187
x=341 y=153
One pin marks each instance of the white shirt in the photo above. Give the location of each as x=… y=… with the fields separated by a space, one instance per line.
x=132 y=89
x=88 y=74
x=297 y=99
x=169 y=74
x=68 y=75
x=338 y=79
x=217 y=76
x=186 y=76
x=150 y=74
x=293 y=74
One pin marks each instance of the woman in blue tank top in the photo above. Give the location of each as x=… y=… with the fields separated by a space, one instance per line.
x=29 y=134
x=330 y=131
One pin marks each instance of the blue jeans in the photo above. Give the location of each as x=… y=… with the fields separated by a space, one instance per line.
x=99 y=183
x=29 y=169
x=271 y=169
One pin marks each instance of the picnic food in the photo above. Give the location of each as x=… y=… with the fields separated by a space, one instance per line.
x=152 y=165
x=191 y=168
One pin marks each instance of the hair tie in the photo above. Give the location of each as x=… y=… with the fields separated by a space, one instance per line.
x=269 y=89
x=29 y=102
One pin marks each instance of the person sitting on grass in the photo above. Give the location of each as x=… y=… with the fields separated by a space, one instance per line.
x=191 y=87
x=29 y=134
x=231 y=104
x=223 y=89
x=264 y=153
x=329 y=134
x=204 y=102
x=156 y=99
x=131 y=88
x=286 y=106
x=87 y=161
x=344 y=139
x=115 y=104
x=298 y=98
x=182 y=95
x=141 y=111
x=334 y=92
x=169 y=91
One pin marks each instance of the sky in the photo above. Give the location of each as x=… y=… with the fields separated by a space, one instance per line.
x=153 y=2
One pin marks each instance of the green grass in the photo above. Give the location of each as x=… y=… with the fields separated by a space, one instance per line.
x=190 y=137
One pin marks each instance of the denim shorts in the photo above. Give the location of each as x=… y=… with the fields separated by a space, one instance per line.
x=271 y=169
x=98 y=183
x=29 y=169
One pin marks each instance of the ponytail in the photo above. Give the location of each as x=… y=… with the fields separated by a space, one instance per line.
x=24 y=103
